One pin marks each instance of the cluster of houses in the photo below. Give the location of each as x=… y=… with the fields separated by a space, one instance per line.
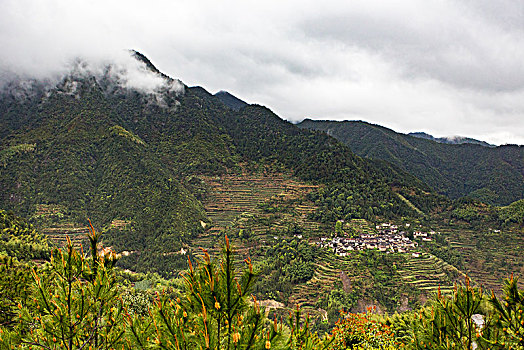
x=388 y=239
x=426 y=237
x=387 y=228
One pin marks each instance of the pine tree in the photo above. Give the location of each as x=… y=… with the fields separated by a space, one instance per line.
x=15 y=287
x=75 y=304
x=216 y=311
x=509 y=316
x=451 y=322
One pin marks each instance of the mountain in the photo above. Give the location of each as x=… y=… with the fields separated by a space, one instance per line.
x=151 y=163
x=492 y=174
x=231 y=101
x=91 y=148
x=454 y=140
x=129 y=159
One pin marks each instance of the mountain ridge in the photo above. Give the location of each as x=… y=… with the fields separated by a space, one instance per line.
x=450 y=139
x=230 y=100
x=492 y=174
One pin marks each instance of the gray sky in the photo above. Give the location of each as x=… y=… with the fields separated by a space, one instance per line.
x=443 y=67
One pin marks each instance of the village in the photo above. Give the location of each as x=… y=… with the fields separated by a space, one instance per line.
x=389 y=239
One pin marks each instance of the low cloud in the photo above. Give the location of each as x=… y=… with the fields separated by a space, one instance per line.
x=126 y=71
x=444 y=67
x=116 y=73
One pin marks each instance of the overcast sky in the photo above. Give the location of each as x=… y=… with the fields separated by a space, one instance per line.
x=443 y=67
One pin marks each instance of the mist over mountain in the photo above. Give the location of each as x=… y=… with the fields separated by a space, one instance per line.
x=454 y=140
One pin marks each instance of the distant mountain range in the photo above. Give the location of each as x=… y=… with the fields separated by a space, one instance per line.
x=491 y=174
x=453 y=140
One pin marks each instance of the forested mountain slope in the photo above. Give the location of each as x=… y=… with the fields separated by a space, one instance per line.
x=91 y=147
x=494 y=175
x=355 y=187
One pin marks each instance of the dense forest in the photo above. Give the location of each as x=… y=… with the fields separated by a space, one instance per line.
x=494 y=175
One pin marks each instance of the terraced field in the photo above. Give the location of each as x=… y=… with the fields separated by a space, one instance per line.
x=259 y=209
x=50 y=219
x=428 y=273
x=232 y=196
x=265 y=208
x=58 y=234
x=245 y=204
x=414 y=281
x=360 y=226
x=327 y=274
x=489 y=256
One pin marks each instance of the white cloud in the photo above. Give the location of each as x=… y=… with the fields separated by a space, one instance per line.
x=444 y=67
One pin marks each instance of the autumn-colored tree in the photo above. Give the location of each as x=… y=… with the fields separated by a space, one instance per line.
x=361 y=331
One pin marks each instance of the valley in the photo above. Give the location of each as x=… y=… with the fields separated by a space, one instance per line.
x=259 y=210
x=196 y=198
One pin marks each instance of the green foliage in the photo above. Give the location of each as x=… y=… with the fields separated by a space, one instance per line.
x=509 y=319
x=75 y=303
x=166 y=265
x=13 y=151
x=356 y=199
x=288 y=262
x=441 y=248
x=120 y=131
x=18 y=238
x=301 y=336
x=142 y=285
x=136 y=302
x=513 y=213
x=214 y=312
x=338 y=228
x=467 y=319
x=261 y=136
x=448 y=323
x=338 y=301
x=15 y=287
x=102 y=155
x=493 y=175
x=468 y=214
x=385 y=288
